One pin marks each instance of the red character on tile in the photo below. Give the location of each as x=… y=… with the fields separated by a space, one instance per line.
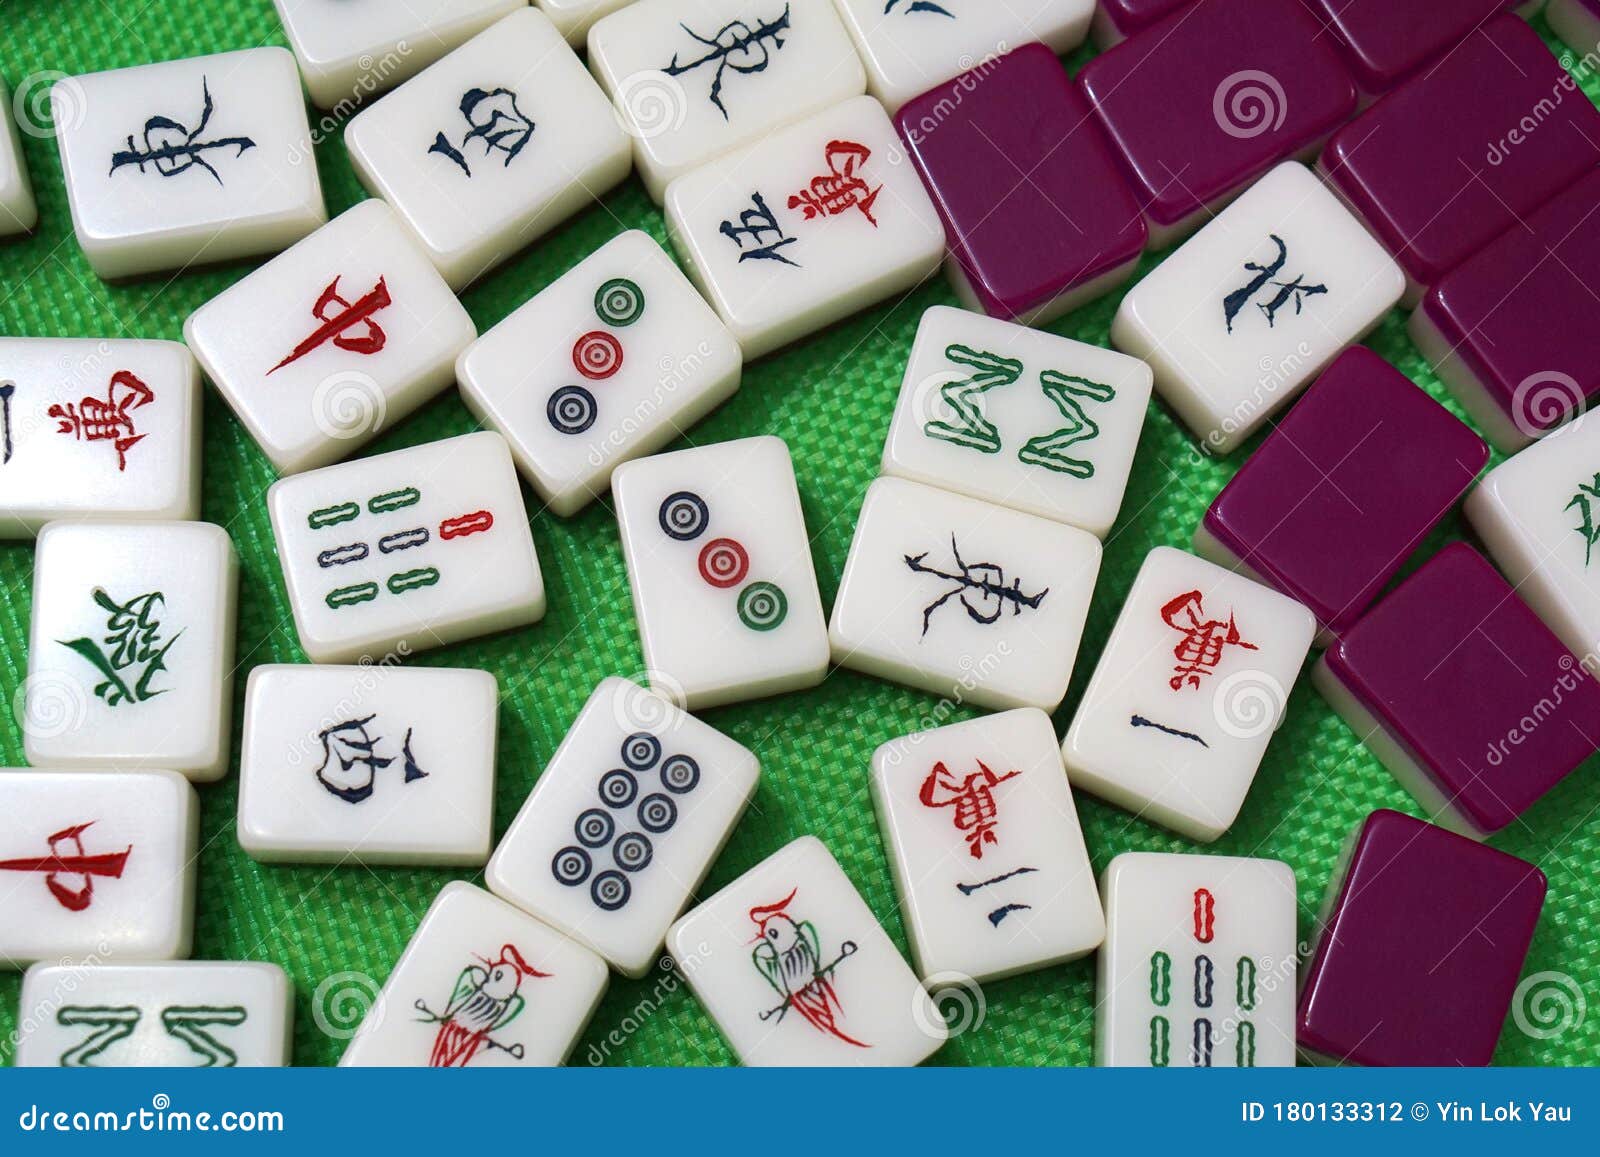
x=69 y=870
x=338 y=316
x=841 y=188
x=972 y=798
x=1204 y=640
x=109 y=419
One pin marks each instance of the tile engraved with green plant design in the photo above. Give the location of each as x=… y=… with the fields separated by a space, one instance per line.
x=1584 y=501
x=131 y=653
x=971 y=427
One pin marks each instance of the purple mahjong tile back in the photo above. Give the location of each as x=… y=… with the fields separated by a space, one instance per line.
x=1421 y=948
x=1025 y=181
x=1386 y=41
x=1465 y=148
x=1213 y=96
x=1487 y=703
x=1335 y=499
x=1522 y=319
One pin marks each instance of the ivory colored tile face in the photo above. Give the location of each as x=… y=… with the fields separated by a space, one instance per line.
x=694 y=79
x=355 y=51
x=1018 y=417
x=983 y=840
x=960 y=598
x=720 y=565
x=491 y=147
x=189 y=1015
x=1417 y=959
x=909 y=47
x=574 y=18
x=806 y=227
x=624 y=823
x=481 y=985
x=1249 y=310
x=328 y=344
x=130 y=656
x=370 y=764
x=1538 y=516
x=97 y=428
x=18 y=213
x=131 y=836
x=1190 y=687
x=1198 y=968
x=824 y=985
x=408 y=550
x=612 y=361
x=198 y=160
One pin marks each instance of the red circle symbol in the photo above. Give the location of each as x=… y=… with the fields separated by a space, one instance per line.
x=724 y=563
x=597 y=355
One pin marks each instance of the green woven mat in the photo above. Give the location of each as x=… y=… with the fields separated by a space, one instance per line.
x=338 y=931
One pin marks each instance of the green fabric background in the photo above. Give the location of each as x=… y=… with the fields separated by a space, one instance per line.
x=340 y=929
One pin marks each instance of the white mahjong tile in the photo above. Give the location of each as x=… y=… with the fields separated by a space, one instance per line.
x=795 y=969
x=130 y=655
x=612 y=361
x=481 y=985
x=809 y=225
x=983 y=840
x=96 y=866
x=624 y=823
x=909 y=46
x=1198 y=968
x=373 y=764
x=1538 y=514
x=1187 y=694
x=492 y=146
x=350 y=51
x=963 y=599
x=574 y=18
x=720 y=565
x=97 y=428
x=407 y=550
x=330 y=343
x=1018 y=417
x=18 y=212
x=197 y=160
x=196 y=1014
x=694 y=79
x=1250 y=309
